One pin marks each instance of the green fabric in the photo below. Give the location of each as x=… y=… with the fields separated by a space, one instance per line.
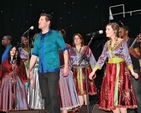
x=116 y=84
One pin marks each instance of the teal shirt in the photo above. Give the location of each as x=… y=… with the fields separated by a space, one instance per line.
x=47 y=49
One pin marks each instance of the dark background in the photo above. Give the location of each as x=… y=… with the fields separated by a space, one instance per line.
x=75 y=16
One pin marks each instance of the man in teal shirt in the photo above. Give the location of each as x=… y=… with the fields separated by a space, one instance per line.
x=6 y=42
x=46 y=46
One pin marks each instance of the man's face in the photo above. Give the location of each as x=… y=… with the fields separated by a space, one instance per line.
x=5 y=41
x=122 y=32
x=43 y=23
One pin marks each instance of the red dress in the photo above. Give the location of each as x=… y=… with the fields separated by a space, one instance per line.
x=116 y=90
x=81 y=71
x=12 y=89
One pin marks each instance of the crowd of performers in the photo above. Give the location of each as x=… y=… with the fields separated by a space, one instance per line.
x=50 y=75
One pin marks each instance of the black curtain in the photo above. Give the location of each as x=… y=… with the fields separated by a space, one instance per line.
x=75 y=16
x=132 y=19
x=129 y=4
x=133 y=23
x=16 y=16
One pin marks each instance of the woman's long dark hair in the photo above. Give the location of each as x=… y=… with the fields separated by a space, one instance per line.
x=16 y=56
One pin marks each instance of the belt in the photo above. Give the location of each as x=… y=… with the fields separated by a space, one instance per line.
x=115 y=60
x=81 y=66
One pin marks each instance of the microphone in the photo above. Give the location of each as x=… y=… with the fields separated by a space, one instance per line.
x=94 y=33
x=31 y=28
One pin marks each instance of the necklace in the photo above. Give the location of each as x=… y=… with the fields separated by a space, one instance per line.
x=115 y=44
x=78 y=51
x=13 y=62
x=26 y=49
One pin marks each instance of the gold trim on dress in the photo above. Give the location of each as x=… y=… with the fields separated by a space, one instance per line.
x=130 y=67
x=115 y=60
x=98 y=67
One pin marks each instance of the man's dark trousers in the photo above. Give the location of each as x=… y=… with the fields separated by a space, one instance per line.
x=49 y=90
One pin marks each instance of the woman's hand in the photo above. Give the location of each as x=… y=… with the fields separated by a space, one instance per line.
x=136 y=76
x=92 y=75
x=31 y=83
x=30 y=75
x=65 y=71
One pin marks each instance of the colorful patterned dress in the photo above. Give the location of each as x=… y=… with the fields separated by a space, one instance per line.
x=67 y=91
x=12 y=89
x=83 y=70
x=116 y=89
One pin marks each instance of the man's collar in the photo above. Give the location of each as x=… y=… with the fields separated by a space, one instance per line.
x=50 y=30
